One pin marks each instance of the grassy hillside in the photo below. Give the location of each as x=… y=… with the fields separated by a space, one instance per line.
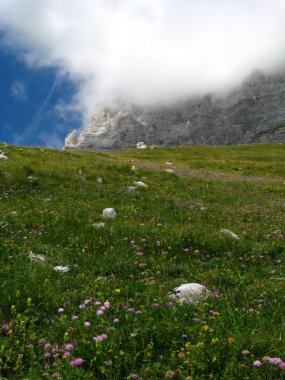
x=164 y=235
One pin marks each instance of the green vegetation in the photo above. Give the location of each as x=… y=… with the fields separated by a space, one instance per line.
x=164 y=235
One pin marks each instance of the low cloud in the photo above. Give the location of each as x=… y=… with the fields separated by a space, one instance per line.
x=146 y=50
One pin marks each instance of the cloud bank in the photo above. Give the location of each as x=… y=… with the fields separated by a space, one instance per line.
x=146 y=50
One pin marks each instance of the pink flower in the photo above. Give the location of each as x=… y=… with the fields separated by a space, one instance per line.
x=77 y=361
x=69 y=347
x=82 y=306
x=282 y=365
x=108 y=363
x=66 y=355
x=138 y=312
x=134 y=376
x=130 y=310
x=99 y=312
x=107 y=304
x=87 y=324
x=47 y=346
x=56 y=374
x=257 y=363
x=99 y=338
x=74 y=318
x=61 y=310
x=47 y=355
x=274 y=360
x=155 y=304
x=97 y=303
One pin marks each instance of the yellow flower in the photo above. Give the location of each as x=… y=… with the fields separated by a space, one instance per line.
x=205 y=328
x=215 y=340
x=231 y=340
x=117 y=290
x=216 y=313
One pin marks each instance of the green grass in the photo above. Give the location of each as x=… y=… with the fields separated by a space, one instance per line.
x=176 y=223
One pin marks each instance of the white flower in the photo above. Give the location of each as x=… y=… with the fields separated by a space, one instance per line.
x=35 y=257
x=61 y=269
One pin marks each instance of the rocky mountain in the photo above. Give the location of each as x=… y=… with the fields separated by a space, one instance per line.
x=251 y=113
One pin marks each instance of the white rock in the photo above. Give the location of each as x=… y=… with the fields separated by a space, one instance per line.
x=61 y=269
x=131 y=188
x=190 y=293
x=168 y=163
x=231 y=233
x=99 y=180
x=141 y=145
x=109 y=213
x=14 y=213
x=36 y=257
x=3 y=157
x=71 y=139
x=98 y=225
x=133 y=167
x=140 y=184
x=169 y=170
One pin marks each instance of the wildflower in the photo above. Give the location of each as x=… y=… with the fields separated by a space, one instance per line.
x=87 y=324
x=215 y=340
x=245 y=352
x=257 y=363
x=169 y=374
x=108 y=363
x=69 y=347
x=97 y=303
x=184 y=336
x=77 y=361
x=74 y=318
x=99 y=312
x=100 y=338
x=215 y=313
x=274 y=271
x=61 y=310
x=107 y=304
x=274 y=360
x=231 y=340
x=168 y=304
x=205 y=328
x=116 y=320
x=282 y=365
x=47 y=355
x=82 y=306
x=155 y=304
x=117 y=290
x=66 y=355
x=211 y=331
x=47 y=346
x=138 y=312
x=56 y=374
x=134 y=376
x=130 y=310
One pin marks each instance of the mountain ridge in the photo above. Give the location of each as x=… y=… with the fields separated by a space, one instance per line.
x=254 y=112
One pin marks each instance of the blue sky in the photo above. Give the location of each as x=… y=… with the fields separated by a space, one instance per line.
x=28 y=100
x=60 y=59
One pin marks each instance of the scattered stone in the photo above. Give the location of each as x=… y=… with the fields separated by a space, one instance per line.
x=61 y=269
x=190 y=293
x=168 y=163
x=109 y=213
x=98 y=225
x=141 y=145
x=3 y=157
x=140 y=184
x=36 y=257
x=169 y=170
x=99 y=180
x=231 y=233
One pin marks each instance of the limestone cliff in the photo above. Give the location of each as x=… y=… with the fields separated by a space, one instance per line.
x=252 y=113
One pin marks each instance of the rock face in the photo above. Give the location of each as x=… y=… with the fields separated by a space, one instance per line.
x=252 y=113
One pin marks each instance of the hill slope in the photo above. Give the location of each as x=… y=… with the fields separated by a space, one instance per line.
x=115 y=289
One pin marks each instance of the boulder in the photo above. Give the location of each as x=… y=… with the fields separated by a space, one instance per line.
x=190 y=293
x=109 y=213
x=141 y=145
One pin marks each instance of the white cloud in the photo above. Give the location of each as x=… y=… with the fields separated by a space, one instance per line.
x=18 y=90
x=146 y=49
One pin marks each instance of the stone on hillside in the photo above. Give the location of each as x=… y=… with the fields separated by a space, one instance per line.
x=190 y=293
x=141 y=145
x=3 y=157
x=168 y=163
x=98 y=225
x=169 y=170
x=109 y=213
x=229 y=232
x=61 y=269
x=36 y=257
x=140 y=184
